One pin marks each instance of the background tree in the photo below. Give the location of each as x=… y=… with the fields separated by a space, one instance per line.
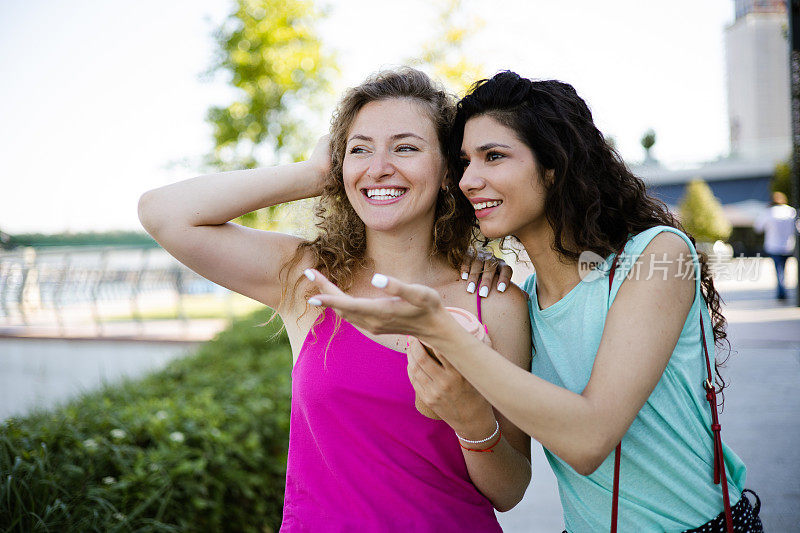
x=273 y=57
x=648 y=141
x=443 y=56
x=782 y=179
x=701 y=213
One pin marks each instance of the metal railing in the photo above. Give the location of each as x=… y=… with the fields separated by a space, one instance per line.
x=49 y=286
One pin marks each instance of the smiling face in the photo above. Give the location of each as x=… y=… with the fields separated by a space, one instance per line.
x=393 y=167
x=501 y=179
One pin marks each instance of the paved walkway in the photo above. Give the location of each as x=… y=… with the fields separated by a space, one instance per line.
x=37 y=372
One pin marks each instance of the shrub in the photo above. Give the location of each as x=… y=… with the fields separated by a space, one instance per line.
x=199 y=446
x=701 y=213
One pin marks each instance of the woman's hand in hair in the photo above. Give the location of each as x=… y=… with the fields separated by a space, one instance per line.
x=320 y=159
x=481 y=268
x=442 y=388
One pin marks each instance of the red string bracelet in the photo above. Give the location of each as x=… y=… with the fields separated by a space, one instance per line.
x=489 y=449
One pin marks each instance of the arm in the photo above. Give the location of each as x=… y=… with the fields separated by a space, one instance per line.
x=758 y=224
x=502 y=476
x=641 y=331
x=190 y=219
x=761 y=221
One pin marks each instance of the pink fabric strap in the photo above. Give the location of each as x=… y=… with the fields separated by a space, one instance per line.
x=719 y=457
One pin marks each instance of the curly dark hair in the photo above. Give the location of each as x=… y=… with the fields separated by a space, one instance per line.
x=339 y=249
x=593 y=201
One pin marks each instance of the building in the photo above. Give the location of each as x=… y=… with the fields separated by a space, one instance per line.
x=757 y=59
x=742 y=186
x=759 y=110
x=733 y=181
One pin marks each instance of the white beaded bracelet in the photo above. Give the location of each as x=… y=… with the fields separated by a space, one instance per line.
x=487 y=439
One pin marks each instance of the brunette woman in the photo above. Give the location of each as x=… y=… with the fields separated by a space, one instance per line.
x=618 y=349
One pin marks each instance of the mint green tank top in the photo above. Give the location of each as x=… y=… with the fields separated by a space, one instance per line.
x=666 y=479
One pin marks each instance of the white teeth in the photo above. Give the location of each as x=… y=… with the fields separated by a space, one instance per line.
x=484 y=205
x=384 y=194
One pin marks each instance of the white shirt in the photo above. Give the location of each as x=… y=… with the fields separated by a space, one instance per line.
x=778 y=225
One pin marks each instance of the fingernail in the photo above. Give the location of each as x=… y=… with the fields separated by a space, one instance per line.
x=484 y=292
x=380 y=281
x=464 y=276
x=471 y=287
x=501 y=287
x=309 y=274
x=315 y=301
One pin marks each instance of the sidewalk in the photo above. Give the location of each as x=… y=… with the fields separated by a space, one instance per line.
x=45 y=372
x=761 y=420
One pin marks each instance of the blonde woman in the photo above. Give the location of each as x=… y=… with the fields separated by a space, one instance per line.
x=361 y=457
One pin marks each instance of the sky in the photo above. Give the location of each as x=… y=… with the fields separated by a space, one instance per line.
x=101 y=101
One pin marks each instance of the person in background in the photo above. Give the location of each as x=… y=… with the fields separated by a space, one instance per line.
x=778 y=225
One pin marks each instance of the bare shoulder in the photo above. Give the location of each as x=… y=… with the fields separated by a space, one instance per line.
x=669 y=255
x=508 y=321
x=665 y=271
x=511 y=303
x=507 y=312
x=505 y=315
x=668 y=243
x=513 y=300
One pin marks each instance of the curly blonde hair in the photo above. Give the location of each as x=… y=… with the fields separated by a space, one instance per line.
x=339 y=250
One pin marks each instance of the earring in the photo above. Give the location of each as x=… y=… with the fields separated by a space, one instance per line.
x=445 y=188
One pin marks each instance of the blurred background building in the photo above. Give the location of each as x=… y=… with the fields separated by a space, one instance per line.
x=759 y=105
x=757 y=62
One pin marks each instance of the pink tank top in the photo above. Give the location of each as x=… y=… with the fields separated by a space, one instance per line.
x=361 y=458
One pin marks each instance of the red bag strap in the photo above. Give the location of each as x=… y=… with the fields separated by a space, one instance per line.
x=719 y=457
x=720 y=477
x=618 y=450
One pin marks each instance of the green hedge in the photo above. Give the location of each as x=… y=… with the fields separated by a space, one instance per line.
x=199 y=446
